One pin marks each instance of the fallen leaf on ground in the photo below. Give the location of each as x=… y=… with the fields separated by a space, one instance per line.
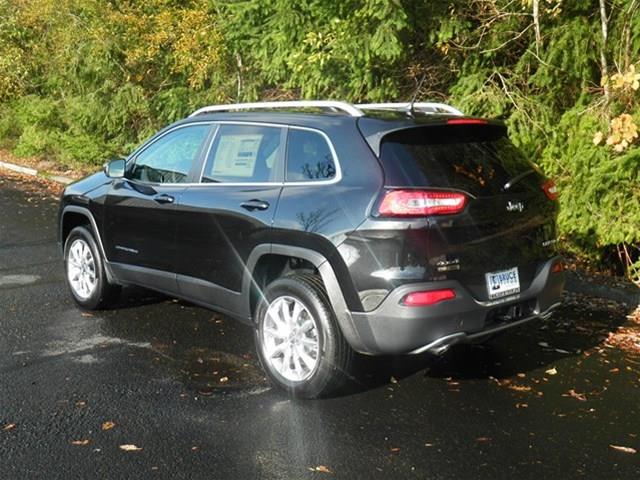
x=482 y=439
x=551 y=371
x=623 y=449
x=578 y=396
x=108 y=425
x=522 y=405
x=543 y=344
x=224 y=379
x=81 y=443
x=8 y=427
x=86 y=314
x=81 y=403
x=519 y=388
x=428 y=444
x=128 y=447
x=394 y=449
x=321 y=469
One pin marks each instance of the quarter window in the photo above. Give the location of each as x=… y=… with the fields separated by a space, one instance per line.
x=244 y=154
x=170 y=158
x=309 y=157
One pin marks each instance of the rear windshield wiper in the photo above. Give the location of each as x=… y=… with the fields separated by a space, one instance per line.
x=516 y=179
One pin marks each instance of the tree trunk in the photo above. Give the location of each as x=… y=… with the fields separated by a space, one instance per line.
x=239 y=77
x=536 y=23
x=605 y=35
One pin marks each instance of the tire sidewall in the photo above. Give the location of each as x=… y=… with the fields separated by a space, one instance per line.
x=94 y=300
x=322 y=314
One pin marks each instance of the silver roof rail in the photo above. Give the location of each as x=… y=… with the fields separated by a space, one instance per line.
x=420 y=106
x=326 y=104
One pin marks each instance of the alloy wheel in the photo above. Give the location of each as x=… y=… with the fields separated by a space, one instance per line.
x=81 y=269
x=290 y=339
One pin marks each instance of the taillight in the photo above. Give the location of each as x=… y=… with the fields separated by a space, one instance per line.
x=418 y=203
x=550 y=190
x=467 y=121
x=431 y=297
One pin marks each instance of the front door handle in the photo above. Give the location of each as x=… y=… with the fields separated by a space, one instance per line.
x=254 y=204
x=164 y=198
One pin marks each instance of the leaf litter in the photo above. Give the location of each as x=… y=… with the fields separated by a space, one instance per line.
x=321 y=469
x=129 y=447
x=620 y=448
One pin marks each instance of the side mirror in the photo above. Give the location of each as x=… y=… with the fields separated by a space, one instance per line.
x=115 y=168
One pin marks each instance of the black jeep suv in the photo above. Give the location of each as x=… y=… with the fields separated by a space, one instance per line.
x=330 y=228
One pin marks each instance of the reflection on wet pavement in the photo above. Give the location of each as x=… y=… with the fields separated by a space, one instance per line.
x=211 y=354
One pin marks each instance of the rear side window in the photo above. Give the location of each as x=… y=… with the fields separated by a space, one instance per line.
x=243 y=154
x=309 y=157
x=477 y=159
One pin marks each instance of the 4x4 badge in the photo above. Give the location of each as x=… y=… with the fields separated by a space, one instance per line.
x=515 y=206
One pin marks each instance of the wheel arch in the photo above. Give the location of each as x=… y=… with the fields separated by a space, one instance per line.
x=323 y=268
x=73 y=216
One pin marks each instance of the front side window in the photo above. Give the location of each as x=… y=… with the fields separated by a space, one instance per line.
x=170 y=158
x=309 y=157
x=244 y=154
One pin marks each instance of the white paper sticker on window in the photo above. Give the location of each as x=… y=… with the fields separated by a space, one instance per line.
x=236 y=155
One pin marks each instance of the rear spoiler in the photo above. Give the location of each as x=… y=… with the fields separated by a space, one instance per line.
x=375 y=129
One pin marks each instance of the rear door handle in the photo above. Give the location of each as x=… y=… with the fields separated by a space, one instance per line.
x=252 y=205
x=164 y=198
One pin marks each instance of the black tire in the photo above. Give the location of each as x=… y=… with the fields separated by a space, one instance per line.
x=104 y=293
x=335 y=357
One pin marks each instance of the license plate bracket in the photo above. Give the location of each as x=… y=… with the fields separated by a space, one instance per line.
x=503 y=283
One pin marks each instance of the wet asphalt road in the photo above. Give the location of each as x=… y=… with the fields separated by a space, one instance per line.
x=182 y=384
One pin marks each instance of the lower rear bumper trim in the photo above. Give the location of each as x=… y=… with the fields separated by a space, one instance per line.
x=442 y=344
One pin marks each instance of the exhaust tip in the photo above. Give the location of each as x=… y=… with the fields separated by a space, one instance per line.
x=441 y=345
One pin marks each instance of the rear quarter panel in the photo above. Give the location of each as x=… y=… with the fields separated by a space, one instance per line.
x=321 y=217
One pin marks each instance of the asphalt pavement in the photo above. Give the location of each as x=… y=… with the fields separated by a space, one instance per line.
x=158 y=388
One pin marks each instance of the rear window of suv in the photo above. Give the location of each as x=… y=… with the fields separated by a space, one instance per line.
x=478 y=159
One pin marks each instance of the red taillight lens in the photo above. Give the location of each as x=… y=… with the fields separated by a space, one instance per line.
x=424 y=299
x=551 y=190
x=467 y=121
x=557 y=267
x=418 y=203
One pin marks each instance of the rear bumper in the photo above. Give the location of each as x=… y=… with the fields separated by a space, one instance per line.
x=393 y=328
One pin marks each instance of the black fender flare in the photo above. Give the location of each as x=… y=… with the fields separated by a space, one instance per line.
x=332 y=286
x=94 y=227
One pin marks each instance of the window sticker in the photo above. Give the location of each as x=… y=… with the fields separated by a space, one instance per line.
x=236 y=155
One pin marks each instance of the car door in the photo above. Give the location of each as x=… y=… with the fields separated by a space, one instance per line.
x=140 y=210
x=229 y=213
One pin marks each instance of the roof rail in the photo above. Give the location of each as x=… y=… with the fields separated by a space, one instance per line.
x=326 y=104
x=422 y=107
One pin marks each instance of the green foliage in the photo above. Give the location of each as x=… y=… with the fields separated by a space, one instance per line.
x=82 y=80
x=348 y=49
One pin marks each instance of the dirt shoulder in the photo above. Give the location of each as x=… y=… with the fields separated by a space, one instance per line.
x=48 y=167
